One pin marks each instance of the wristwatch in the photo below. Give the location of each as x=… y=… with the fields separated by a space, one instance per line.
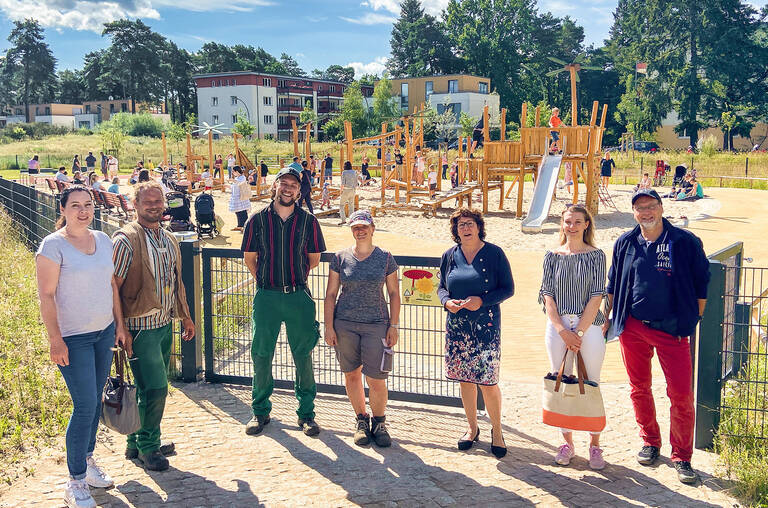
x=580 y=333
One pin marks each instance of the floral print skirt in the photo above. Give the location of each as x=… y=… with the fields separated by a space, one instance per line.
x=473 y=347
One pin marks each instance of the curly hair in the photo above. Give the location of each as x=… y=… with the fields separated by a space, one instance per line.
x=473 y=214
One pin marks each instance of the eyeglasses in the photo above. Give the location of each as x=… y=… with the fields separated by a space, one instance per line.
x=648 y=208
x=465 y=224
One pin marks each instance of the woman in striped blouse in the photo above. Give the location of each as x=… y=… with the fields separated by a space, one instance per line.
x=572 y=288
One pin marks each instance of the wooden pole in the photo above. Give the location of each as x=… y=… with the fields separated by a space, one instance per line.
x=190 y=168
x=524 y=115
x=538 y=116
x=503 y=124
x=295 y=138
x=165 y=151
x=486 y=131
x=603 y=115
x=307 y=135
x=574 y=110
x=350 y=143
x=593 y=117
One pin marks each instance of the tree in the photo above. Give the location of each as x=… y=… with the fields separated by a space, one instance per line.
x=308 y=114
x=353 y=110
x=243 y=126
x=339 y=73
x=29 y=64
x=385 y=107
x=418 y=44
x=467 y=124
x=176 y=132
x=70 y=89
x=369 y=79
x=291 y=66
x=727 y=122
x=215 y=57
x=445 y=124
x=134 y=56
x=494 y=39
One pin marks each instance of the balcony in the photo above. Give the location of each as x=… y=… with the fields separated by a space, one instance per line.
x=291 y=107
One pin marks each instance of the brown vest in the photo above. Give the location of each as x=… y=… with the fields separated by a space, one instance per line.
x=138 y=295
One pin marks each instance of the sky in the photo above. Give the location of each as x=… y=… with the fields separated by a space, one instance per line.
x=317 y=33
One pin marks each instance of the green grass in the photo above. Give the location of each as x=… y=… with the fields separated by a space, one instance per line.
x=742 y=444
x=34 y=402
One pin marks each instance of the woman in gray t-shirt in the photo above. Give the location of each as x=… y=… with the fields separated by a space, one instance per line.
x=361 y=327
x=80 y=307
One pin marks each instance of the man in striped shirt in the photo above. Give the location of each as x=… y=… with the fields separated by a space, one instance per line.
x=281 y=244
x=148 y=273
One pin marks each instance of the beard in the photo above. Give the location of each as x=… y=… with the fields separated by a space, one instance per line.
x=286 y=201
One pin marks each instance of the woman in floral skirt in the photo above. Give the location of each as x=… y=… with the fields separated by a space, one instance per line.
x=474 y=279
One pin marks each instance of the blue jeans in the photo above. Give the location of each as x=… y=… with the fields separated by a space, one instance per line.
x=90 y=360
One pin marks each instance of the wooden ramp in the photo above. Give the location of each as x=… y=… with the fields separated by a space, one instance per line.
x=460 y=193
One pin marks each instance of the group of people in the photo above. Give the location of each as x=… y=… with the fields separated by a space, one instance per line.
x=653 y=299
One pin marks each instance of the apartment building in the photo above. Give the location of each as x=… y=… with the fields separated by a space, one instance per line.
x=76 y=116
x=269 y=101
x=459 y=92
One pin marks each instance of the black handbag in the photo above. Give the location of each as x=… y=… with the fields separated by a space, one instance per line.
x=119 y=408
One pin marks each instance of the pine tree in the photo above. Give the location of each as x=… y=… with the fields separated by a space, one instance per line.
x=419 y=45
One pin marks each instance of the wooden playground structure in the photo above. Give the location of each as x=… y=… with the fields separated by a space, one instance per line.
x=503 y=166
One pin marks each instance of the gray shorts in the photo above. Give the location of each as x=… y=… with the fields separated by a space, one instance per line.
x=360 y=344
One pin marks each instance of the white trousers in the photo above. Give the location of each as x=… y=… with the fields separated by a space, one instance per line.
x=347 y=198
x=592 y=350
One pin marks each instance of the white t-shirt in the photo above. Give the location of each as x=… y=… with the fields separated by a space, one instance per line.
x=432 y=176
x=231 y=162
x=112 y=164
x=62 y=177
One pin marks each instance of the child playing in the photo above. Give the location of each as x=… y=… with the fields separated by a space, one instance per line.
x=568 y=176
x=326 y=196
x=207 y=180
x=554 y=123
x=645 y=183
x=432 y=179
x=454 y=174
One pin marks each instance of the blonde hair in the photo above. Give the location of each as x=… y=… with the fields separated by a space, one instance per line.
x=589 y=233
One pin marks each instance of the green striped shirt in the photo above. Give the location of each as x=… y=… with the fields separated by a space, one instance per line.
x=162 y=257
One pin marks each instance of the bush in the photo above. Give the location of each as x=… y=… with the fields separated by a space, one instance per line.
x=142 y=124
x=33 y=130
x=708 y=146
x=17 y=133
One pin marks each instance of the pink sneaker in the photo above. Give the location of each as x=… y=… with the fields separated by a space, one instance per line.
x=564 y=455
x=596 y=460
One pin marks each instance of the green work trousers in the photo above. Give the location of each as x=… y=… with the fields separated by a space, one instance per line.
x=297 y=310
x=149 y=364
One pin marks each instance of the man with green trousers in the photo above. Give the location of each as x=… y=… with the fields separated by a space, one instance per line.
x=148 y=272
x=281 y=244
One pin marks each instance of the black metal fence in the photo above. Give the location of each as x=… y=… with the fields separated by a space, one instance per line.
x=34 y=214
x=732 y=370
x=228 y=291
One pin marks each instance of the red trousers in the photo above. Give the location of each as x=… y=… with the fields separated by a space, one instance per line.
x=637 y=344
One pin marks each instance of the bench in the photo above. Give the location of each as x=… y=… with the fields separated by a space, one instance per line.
x=111 y=202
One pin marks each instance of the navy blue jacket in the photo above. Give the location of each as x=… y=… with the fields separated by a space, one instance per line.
x=690 y=277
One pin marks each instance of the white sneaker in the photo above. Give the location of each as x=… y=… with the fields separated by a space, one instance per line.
x=95 y=476
x=78 y=495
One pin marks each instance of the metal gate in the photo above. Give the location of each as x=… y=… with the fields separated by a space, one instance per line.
x=228 y=291
x=732 y=370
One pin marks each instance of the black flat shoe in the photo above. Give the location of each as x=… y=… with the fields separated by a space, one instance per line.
x=466 y=444
x=498 y=451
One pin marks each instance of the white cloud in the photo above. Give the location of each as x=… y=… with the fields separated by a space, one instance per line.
x=78 y=14
x=433 y=7
x=377 y=67
x=92 y=14
x=371 y=18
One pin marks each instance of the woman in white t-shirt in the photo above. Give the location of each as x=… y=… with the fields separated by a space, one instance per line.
x=74 y=264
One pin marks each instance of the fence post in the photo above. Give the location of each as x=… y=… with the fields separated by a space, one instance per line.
x=191 y=350
x=709 y=368
x=746 y=167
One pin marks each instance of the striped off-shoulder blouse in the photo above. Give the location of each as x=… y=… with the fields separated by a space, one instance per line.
x=572 y=280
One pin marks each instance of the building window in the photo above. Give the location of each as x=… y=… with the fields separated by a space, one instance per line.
x=234 y=118
x=319 y=87
x=47 y=110
x=233 y=99
x=227 y=83
x=123 y=107
x=281 y=83
x=283 y=120
x=87 y=108
x=267 y=119
x=19 y=111
x=453 y=86
x=220 y=82
x=282 y=101
x=267 y=101
x=215 y=119
x=111 y=108
x=404 y=96
x=428 y=88
x=234 y=82
x=482 y=87
x=214 y=101
x=454 y=107
x=213 y=82
x=267 y=81
x=333 y=88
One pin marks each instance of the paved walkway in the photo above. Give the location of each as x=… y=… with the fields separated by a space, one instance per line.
x=218 y=465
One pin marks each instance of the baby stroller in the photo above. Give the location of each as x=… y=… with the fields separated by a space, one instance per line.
x=178 y=212
x=205 y=216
